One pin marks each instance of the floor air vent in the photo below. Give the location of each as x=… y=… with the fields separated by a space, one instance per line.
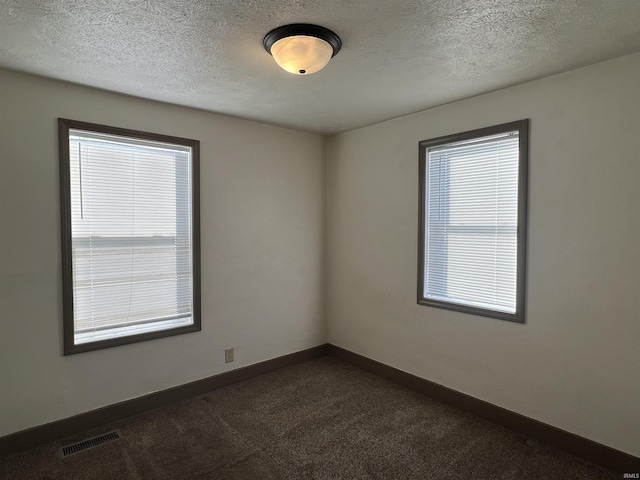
x=89 y=443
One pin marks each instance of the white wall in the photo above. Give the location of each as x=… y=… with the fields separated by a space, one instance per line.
x=262 y=220
x=575 y=364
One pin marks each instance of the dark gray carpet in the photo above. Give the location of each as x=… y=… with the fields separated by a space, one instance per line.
x=323 y=419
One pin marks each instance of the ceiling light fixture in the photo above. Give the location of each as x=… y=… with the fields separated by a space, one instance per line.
x=302 y=48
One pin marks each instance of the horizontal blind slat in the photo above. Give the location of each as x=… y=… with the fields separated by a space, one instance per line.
x=131 y=233
x=471 y=219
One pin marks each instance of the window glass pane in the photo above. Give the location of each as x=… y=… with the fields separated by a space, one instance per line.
x=131 y=235
x=471 y=204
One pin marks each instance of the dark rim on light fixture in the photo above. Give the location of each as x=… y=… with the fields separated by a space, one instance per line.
x=302 y=29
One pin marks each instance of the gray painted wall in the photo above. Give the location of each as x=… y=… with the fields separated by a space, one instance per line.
x=575 y=364
x=262 y=219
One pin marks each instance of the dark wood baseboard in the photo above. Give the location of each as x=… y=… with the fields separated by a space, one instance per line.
x=580 y=446
x=62 y=428
x=595 y=452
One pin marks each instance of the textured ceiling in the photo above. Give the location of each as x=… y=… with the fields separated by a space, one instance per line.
x=398 y=56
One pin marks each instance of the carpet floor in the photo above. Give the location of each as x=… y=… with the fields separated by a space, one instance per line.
x=322 y=419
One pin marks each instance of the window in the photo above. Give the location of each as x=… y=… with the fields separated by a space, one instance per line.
x=473 y=220
x=130 y=235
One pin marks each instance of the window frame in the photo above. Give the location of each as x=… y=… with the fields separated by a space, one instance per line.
x=521 y=255
x=70 y=347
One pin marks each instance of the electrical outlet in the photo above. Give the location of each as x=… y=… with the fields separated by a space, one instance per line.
x=228 y=355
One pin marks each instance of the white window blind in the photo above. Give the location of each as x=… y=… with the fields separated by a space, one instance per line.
x=471 y=221
x=130 y=235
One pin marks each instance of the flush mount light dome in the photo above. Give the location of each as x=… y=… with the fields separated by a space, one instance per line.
x=302 y=48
